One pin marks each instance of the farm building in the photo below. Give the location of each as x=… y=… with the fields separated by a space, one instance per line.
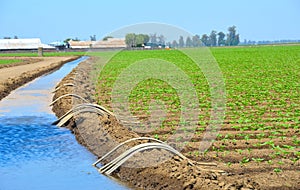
x=22 y=44
x=109 y=43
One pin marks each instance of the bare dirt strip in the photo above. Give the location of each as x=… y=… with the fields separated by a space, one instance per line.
x=15 y=75
x=102 y=133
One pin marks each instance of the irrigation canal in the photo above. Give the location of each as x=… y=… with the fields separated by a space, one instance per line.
x=36 y=155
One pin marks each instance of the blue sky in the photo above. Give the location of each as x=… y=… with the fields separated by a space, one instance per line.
x=59 y=19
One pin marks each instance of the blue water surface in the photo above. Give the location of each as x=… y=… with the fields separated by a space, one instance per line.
x=35 y=155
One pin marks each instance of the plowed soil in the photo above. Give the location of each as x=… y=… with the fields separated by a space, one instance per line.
x=247 y=163
x=15 y=75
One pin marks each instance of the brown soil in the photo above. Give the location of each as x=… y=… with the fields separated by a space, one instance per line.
x=15 y=75
x=23 y=61
x=101 y=133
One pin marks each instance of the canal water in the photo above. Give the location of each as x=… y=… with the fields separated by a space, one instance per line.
x=36 y=155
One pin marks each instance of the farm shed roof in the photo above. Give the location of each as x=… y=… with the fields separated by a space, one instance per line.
x=30 y=43
x=109 y=43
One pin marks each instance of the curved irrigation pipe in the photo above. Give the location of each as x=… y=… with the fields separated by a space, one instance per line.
x=117 y=162
x=123 y=143
x=68 y=117
x=82 y=106
x=59 y=87
x=77 y=107
x=75 y=95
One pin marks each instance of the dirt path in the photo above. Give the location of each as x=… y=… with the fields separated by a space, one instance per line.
x=15 y=75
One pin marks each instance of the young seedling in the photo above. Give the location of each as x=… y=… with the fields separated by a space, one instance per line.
x=277 y=170
x=258 y=160
x=245 y=160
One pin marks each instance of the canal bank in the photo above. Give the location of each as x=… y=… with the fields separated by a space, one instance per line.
x=37 y=155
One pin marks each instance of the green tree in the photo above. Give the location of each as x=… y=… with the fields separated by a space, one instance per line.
x=236 y=40
x=174 y=44
x=161 y=39
x=130 y=40
x=106 y=38
x=221 y=38
x=181 y=42
x=213 y=38
x=196 y=41
x=139 y=40
x=67 y=40
x=153 y=38
x=233 y=39
x=93 y=37
x=188 y=42
x=146 y=38
x=205 y=39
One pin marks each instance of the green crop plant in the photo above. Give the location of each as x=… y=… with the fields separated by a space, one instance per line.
x=277 y=170
x=258 y=160
x=245 y=160
x=262 y=96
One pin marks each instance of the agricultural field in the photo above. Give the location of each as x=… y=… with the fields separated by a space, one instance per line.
x=46 y=54
x=261 y=129
x=9 y=61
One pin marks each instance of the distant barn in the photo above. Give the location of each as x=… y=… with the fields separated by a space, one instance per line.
x=110 y=43
x=22 y=44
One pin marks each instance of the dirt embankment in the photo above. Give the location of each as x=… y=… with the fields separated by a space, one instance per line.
x=147 y=170
x=15 y=75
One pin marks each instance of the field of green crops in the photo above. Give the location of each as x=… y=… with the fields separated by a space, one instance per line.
x=46 y=54
x=9 y=61
x=261 y=127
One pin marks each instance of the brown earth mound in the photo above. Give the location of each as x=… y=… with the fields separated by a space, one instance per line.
x=147 y=170
x=23 y=61
x=15 y=75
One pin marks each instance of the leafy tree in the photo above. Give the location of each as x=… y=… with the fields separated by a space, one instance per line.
x=213 y=38
x=188 y=42
x=174 y=44
x=168 y=44
x=136 y=40
x=233 y=39
x=93 y=38
x=130 y=40
x=181 y=41
x=146 y=38
x=153 y=38
x=67 y=40
x=221 y=38
x=236 y=40
x=196 y=41
x=161 y=39
x=106 y=38
x=205 y=39
x=139 y=40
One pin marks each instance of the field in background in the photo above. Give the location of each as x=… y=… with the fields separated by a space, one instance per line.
x=46 y=54
x=260 y=132
x=9 y=61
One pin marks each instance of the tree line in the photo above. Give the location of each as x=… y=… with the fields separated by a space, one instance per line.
x=213 y=39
